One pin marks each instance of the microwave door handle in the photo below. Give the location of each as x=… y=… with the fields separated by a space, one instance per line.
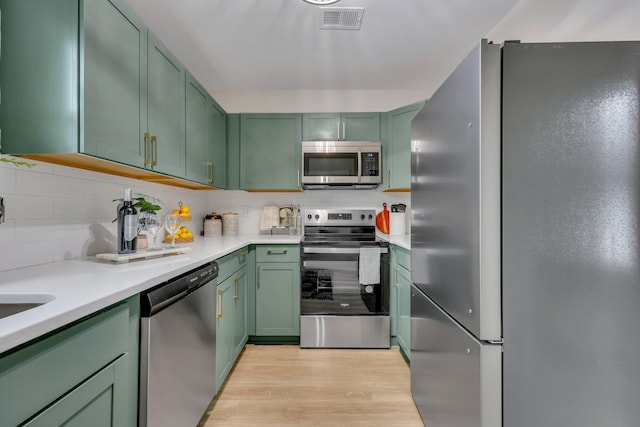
x=359 y=165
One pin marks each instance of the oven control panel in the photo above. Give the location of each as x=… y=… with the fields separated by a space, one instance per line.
x=344 y=217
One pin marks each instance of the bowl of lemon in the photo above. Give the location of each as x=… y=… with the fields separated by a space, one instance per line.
x=184 y=235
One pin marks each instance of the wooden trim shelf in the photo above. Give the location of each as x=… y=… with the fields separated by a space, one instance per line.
x=95 y=164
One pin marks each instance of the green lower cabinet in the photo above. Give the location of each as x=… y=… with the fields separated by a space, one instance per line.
x=404 y=310
x=277 y=292
x=84 y=374
x=401 y=298
x=231 y=322
x=97 y=402
x=277 y=299
x=240 y=285
x=224 y=331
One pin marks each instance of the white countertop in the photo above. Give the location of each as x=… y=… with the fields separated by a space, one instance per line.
x=404 y=241
x=85 y=285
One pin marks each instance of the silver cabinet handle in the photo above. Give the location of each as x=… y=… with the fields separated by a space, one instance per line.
x=338 y=130
x=210 y=166
x=298 y=178
x=236 y=280
x=344 y=131
x=219 y=312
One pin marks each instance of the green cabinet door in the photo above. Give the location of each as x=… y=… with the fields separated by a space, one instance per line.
x=404 y=309
x=277 y=299
x=321 y=127
x=78 y=83
x=270 y=146
x=86 y=371
x=165 y=109
x=206 y=137
x=198 y=161
x=399 y=148
x=240 y=336
x=114 y=60
x=341 y=126
x=99 y=401
x=361 y=126
x=217 y=143
x=224 y=331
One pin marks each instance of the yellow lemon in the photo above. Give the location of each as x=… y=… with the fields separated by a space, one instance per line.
x=190 y=235
x=184 y=210
x=175 y=212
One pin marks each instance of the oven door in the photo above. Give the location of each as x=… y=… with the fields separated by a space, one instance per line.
x=330 y=285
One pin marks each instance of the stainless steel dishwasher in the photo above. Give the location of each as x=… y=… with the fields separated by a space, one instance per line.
x=178 y=349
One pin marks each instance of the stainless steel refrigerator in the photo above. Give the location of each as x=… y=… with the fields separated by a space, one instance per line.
x=525 y=204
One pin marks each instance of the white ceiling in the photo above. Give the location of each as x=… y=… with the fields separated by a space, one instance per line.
x=270 y=55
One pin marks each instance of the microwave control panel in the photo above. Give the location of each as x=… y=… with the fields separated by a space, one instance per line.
x=370 y=164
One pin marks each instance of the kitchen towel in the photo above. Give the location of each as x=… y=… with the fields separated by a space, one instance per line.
x=369 y=266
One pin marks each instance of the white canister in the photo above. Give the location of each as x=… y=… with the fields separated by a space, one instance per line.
x=230 y=223
x=397 y=226
x=213 y=226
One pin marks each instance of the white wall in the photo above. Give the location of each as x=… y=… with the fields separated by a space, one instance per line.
x=55 y=212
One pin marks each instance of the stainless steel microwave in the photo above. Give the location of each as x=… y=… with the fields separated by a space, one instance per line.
x=341 y=164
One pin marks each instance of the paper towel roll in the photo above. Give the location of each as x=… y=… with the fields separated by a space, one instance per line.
x=397 y=225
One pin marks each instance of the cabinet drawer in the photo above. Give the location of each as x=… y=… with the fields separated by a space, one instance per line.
x=229 y=264
x=403 y=257
x=278 y=253
x=50 y=367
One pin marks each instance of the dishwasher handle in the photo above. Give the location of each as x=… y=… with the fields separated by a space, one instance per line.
x=169 y=292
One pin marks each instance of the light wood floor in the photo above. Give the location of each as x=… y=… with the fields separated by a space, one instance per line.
x=283 y=385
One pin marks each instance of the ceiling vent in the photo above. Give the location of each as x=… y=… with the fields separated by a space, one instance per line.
x=341 y=18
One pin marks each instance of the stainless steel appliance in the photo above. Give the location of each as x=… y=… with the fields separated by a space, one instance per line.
x=178 y=349
x=344 y=281
x=525 y=252
x=341 y=164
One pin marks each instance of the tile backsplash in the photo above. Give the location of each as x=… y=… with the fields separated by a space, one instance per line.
x=55 y=212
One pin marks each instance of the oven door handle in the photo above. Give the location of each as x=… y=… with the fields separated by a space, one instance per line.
x=309 y=250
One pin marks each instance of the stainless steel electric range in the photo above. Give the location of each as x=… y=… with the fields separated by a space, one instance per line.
x=344 y=281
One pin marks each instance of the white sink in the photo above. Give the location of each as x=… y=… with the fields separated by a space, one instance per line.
x=13 y=303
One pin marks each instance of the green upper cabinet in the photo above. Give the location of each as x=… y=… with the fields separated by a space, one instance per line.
x=217 y=143
x=205 y=136
x=115 y=89
x=341 y=127
x=270 y=146
x=398 y=162
x=165 y=109
x=198 y=161
x=93 y=80
x=77 y=84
